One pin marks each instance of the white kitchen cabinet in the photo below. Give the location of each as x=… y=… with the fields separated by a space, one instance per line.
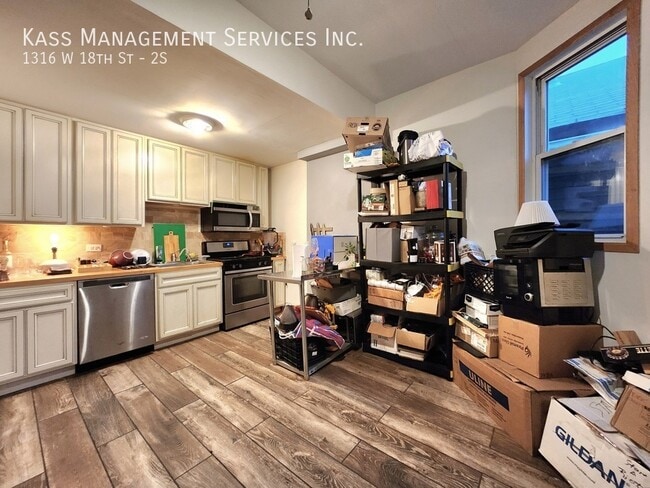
x=195 y=176
x=279 y=289
x=263 y=196
x=47 y=167
x=12 y=345
x=38 y=334
x=11 y=163
x=128 y=179
x=50 y=335
x=108 y=176
x=163 y=171
x=188 y=300
x=233 y=181
x=92 y=174
x=223 y=178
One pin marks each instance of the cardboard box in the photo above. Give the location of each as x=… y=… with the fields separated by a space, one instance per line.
x=406 y=198
x=382 y=337
x=431 y=306
x=632 y=416
x=385 y=297
x=580 y=453
x=360 y=132
x=516 y=401
x=382 y=244
x=414 y=340
x=541 y=349
x=348 y=306
x=485 y=341
x=393 y=197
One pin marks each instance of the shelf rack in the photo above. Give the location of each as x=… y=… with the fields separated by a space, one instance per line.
x=286 y=277
x=439 y=361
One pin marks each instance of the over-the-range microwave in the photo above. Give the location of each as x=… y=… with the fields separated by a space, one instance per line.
x=225 y=216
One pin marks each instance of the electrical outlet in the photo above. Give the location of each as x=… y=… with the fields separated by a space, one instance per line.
x=93 y=247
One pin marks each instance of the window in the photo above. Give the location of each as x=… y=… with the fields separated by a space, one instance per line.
x=579 y=129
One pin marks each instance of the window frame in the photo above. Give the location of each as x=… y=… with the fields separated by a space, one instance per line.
x=627 y=12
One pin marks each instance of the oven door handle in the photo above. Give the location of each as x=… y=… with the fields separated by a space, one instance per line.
x=249 y=272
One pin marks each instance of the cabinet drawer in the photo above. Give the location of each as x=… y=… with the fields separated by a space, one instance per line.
x=175 y=278
x=30 y=296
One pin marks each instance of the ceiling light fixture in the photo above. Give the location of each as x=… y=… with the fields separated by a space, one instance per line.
x=197 y=122
x=308 y=14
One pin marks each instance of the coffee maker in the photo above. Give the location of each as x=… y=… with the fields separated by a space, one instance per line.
x=544 y=273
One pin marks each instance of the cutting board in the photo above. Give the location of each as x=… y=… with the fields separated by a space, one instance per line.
x=171 y=237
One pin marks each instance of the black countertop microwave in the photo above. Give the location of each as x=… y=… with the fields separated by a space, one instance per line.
x=226 y=216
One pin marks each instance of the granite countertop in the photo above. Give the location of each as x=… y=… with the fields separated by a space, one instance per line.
x=30 y=279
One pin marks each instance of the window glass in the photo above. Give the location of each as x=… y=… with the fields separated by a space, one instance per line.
x=589 y=97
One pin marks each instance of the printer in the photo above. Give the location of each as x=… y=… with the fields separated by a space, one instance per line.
x=543 y=274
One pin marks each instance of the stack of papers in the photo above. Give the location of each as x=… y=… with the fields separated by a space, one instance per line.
x=607 y=385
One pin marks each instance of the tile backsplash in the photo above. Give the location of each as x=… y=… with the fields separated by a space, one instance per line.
x=30 y=243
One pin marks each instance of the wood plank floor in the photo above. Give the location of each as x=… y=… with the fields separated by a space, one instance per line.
x=215 y=412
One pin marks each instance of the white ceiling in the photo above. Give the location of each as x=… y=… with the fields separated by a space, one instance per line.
x=406 y=44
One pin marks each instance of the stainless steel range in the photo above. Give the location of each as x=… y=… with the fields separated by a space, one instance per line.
x=245 y=297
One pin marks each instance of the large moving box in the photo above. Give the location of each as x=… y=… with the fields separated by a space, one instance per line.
x=581 y=454
x=540 y=350
x=517 y=401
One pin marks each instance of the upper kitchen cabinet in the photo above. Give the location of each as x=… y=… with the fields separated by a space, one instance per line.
x=163 y=171
x=128 y=178
x=108 y=176
x=194 y=176
x=263 y=195
x=11 y=163
x=177 y=174
x=233 y=181
x=47 y=161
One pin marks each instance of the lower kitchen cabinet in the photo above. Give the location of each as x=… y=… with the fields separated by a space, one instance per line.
x=188 y=300
x=37 y=334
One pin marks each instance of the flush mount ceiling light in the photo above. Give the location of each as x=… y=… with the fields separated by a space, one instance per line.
x=197 y=122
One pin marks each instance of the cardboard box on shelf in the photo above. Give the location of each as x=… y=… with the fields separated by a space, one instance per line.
x=382 y=337
x=412 y=344
x=518 y=402
x=360 y=132
x=431 y=306
x=632 y=415
x=581 y=454
x=382 y=244
x=485 y=341
x=540 y=350
x=406 y=198
x=393 y=197
x=386 y=297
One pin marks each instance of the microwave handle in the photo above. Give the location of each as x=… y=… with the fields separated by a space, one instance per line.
x=250 y=219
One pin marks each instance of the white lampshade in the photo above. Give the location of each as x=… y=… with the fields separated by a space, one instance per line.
x=536 y=212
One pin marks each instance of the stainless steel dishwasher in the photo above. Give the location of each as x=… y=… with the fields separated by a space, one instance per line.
x=115 y=316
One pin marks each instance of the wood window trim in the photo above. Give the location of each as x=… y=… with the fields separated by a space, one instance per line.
x=632 y=9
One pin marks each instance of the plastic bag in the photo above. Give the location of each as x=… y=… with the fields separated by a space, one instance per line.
x=469 y=249
x=430 y=145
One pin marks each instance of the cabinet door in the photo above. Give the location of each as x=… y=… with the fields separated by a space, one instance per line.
x=46 y=167
x=174 y=306
x=50 y=337
x=246 y=183
x=223 y=179
x=163 y=171
x=279 y=289
x=128 y=171
x=11 y=163
x=92 y=174
x=195 y=166
x=208 y=303
x=263 y=195
x=12 y=346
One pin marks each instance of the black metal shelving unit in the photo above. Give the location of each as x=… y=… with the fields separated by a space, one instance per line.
x=439 y=360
